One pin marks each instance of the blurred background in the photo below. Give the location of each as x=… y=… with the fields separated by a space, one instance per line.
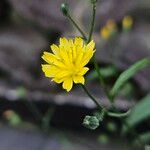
x=35 y=113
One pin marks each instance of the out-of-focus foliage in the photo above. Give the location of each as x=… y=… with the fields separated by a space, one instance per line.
x=140 y=112
x=145 y=138
x=109 y=71
x=12 y=117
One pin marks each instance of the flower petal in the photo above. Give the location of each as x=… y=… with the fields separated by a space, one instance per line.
x=87 y=56
x=55 y=49
x=63 y=41
x=58 y=80
x=67 y=84
x=49 y=70
x=79 y=79
x=90 y=45
x=83 y=71
x=78 y=41
x=49 y=57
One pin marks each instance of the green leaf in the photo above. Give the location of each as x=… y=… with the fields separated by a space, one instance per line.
x=140 y=112
x=127 y=74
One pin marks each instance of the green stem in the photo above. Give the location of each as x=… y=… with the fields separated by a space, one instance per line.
x=76 y=25
x=92 y=97
x=92 y=23
x=102 y=82
x=101 y=79
x=118 y=115
x=34 y=110
x=46 y=119
x=98 y=72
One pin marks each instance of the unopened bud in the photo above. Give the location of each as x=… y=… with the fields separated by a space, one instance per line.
x=64 y=9
x=91 y=122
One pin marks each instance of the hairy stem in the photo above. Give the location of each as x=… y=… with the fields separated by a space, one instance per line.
x=92 y=97
x=92 y=22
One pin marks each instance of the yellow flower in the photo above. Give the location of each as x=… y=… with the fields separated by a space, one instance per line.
x=127 y=22
x=66 y=63
x=105 y=33
x=111 y=25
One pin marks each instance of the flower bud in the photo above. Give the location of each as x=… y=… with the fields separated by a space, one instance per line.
x=64 y=9
x=91 y=122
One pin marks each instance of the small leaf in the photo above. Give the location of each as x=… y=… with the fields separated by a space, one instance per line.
x=127 y=74
x=140 y=112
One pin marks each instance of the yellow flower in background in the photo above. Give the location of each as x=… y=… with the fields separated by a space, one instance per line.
x=66 y=63
x=127 y=22
x=107 y=31
x=111 y=25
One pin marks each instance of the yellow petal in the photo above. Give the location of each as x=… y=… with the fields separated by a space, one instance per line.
x=90 y=46
x=87 y=56
x=63 y=41
x=70 y=42
x=49 y=57
x=79 y=79
x=49 y=70
x=58 y=80
x=78 y=41
x=74 y=53
x=62 y=74
x=83 y=71
x=79 y=59
x=65 y=57
x=55 y=49
x=67 y=84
